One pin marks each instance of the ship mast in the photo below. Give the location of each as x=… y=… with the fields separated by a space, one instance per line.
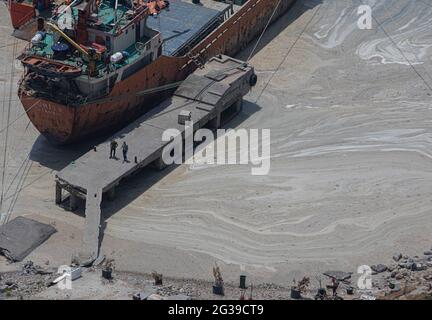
x=115 y=12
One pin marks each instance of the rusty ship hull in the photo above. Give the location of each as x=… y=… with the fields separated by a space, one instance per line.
x=63 y=123
x=21 y=13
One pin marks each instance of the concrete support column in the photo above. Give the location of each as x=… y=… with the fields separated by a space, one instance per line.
x=92 y=223
x=239 y=105
x=58 y=193
x=111 y=193
x=215 y=123
x=73 y=202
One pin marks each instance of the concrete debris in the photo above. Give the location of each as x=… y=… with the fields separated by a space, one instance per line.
x=76 y=273
x=99 y=260
x=17 y=284
x=155 y=296
x=30 y=268
x=396 y=282
x=8 y=286
x=179 y=297
x=142 y=295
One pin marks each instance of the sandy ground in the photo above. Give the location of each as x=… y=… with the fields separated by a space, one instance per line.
x=350 y=121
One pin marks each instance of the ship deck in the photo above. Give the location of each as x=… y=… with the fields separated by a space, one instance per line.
x=183 y=22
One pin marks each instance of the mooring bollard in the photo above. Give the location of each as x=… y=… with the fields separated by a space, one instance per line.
x=219 y=290
x=295 y=293
x=242 y=282
x=107 y=273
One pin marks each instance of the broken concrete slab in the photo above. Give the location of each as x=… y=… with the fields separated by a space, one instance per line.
x=21 y=236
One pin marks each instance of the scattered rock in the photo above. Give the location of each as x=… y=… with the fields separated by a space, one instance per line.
x=418 y=267
x=427 y=277
x=391 y=268
x=379 y=268
x=407 y=265
x=399 y=276
x=29 y=268
x=397 y=257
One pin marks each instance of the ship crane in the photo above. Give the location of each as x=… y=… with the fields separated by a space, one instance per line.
x=91 y=55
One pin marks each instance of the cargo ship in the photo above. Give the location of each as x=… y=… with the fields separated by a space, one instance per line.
x=96 y=65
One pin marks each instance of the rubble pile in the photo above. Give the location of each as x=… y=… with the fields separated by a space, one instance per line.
x=404 y=277
x=31 y=280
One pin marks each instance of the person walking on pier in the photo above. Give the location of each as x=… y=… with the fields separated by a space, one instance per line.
x=125 y=149
x=113 y=148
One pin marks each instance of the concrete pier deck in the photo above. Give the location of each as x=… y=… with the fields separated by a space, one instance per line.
x=205 y=94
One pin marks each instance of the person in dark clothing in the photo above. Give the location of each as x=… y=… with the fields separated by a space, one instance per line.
x=113 y=148
x=125 y=149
